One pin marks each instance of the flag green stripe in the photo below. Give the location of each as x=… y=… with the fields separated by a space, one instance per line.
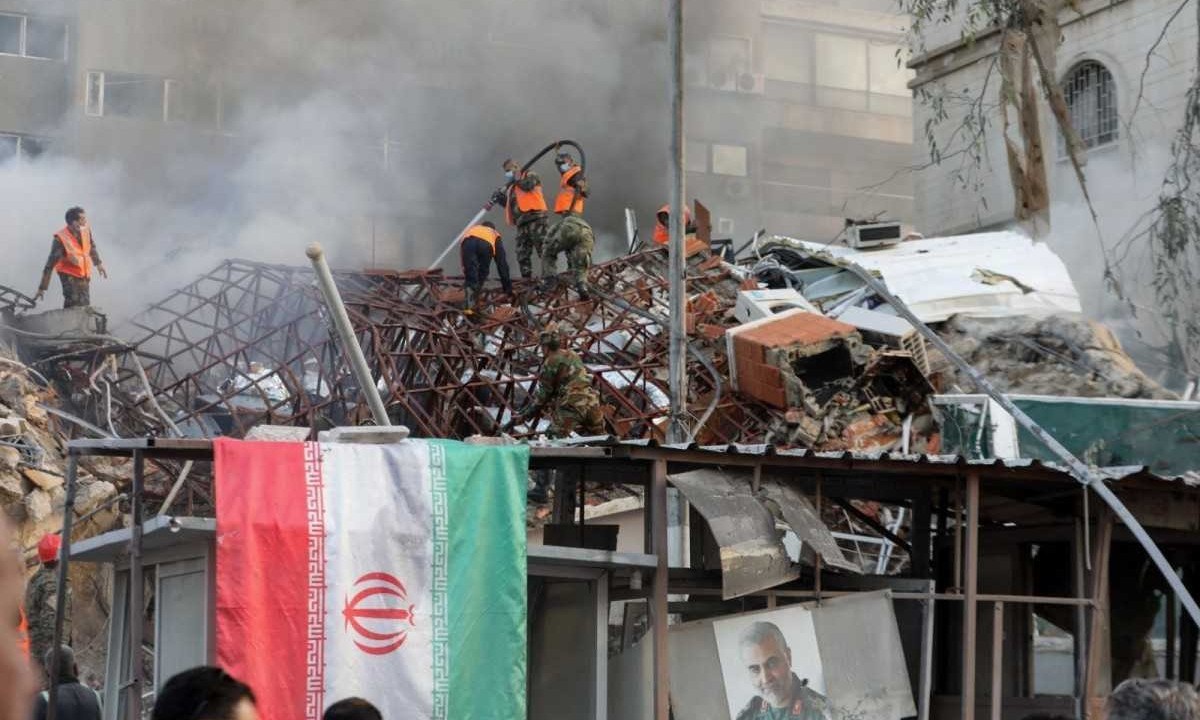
x=483 y=520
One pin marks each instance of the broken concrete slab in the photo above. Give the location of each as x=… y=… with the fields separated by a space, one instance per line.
x=9 y=457
x=44 y=480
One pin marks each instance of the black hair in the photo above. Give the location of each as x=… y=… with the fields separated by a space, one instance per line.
x=489 y=224
x=352 y=708
x=73 y=214
x=202 y=693
x=68 y=672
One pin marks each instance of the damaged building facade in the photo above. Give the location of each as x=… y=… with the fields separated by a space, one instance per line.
x=1124 y=70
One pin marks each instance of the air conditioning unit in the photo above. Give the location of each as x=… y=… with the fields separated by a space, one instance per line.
x=871 y=235
x=722 y=80
x=751 y=83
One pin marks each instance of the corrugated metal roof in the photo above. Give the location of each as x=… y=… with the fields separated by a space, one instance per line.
x=1111 y=474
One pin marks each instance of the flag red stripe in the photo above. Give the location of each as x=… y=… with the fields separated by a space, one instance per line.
x=264 y=574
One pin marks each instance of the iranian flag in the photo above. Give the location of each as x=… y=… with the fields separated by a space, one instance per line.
x=394 y=573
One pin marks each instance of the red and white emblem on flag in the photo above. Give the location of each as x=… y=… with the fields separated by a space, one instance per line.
x=377 y=614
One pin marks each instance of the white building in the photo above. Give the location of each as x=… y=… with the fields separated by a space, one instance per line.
x=1108 y=58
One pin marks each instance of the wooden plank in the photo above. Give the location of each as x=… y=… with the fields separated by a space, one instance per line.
x=1099 y=662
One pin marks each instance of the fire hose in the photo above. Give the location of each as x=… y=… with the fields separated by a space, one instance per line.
x=503 y=189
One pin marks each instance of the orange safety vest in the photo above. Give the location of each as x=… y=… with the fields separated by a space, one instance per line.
x=569 y=199
x=77 y=256
x=485 y=234
x=662 y=234
x=23 y=633
x=526 y=201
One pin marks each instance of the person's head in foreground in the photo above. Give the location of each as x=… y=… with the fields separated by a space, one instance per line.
x=205 y=693
x=352 y=708
x=1141 y=699
x=768 y=659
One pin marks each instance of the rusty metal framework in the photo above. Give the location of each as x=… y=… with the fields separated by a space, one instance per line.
x=250 y=343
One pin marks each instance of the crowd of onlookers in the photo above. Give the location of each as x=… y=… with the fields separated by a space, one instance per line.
x=210 y=693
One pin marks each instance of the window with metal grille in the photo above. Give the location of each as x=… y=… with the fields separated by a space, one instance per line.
x=1091 y=99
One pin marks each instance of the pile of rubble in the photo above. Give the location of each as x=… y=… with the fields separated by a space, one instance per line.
x=32 y=493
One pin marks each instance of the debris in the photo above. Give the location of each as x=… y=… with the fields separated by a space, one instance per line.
x=43 y=480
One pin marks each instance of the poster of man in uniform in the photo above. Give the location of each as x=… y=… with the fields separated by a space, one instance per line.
x=771 y=666
x=842 y=660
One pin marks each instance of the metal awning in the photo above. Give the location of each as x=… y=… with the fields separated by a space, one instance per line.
x=749 y=527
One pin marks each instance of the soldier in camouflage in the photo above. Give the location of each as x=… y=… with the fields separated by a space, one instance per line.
x=525 y=209
x=41 y=599
x=573 y=236
x=783 y=696
x=564 y=390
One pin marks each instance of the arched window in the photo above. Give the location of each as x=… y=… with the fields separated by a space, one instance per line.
x=1092 y=101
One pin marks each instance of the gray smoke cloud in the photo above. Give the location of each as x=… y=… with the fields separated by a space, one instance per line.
x=1123 y=187
x=314 y=88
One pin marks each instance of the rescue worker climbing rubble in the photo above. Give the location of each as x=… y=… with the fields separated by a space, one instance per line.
x=72 y=255
x=525 y=209
x=572 y=234
x=564 y=390
x=41 y=599
x=480 y=245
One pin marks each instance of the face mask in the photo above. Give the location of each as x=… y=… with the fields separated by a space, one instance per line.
x=510 y=174
x=564 y=167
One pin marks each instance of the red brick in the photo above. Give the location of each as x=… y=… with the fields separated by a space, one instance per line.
x=693 y=245
x=709 y=264
x=712 y=332
x=749 y=284
x=798 y=329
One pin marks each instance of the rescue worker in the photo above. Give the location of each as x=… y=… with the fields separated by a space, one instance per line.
x=72 y=255
x=782 y=695
x=41 y=599
x=572 y=186
x=572 y=234
x=564 y=390
x=662 y=226
x=480 y=245
x=525 y=209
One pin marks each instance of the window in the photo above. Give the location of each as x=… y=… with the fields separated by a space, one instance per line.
x=45 y=38
x=788 y=54
x=730 y=160
x=33 y=37
x=11 y=30
x=841 y=62
x=21 y=148
x=1092 y=102
x=888 y=75
x=126 y=95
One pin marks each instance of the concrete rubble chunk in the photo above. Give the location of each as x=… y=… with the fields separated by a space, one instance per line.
x=12 y=427
x=9 y=457
x=44 y=480
x=10 y=488
x=38 y=505
x=90 y=496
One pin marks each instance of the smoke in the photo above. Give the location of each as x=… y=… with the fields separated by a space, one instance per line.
x=310 y=90
x=1123 y=187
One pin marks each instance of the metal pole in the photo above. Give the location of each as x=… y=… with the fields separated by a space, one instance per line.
x=345 y=331
x=60 y=607
x=1077 y=468
x=657 y=520
x=997 y=658
x=136 y=601
x=677 y=431
x=971 y=604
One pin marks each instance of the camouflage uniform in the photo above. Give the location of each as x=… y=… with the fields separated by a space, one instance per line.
x=573 y=236
x=77 y=291
x=532 y=226
x=807 y=704
x=565 y=389
x=41 y=600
